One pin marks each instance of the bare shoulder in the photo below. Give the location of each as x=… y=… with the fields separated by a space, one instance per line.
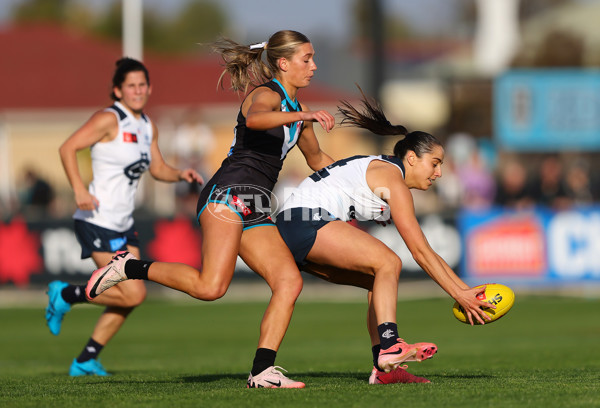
x=383 y=174
x=383 y=166
x=262 y=96
x=104 y=124
x=264 y=93
x=104 y=118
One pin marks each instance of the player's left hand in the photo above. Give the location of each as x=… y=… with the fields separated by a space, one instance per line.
x=190 y=175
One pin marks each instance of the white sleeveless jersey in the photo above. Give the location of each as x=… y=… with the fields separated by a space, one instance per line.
x=341 y=188
x=117 y=167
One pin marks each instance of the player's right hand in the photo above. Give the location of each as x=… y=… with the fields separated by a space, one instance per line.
x=86 y=201
x=473 y=306
x=324 y=118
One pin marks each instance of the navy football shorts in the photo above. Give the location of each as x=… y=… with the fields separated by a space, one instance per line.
x=298 y=228
x=93 y=238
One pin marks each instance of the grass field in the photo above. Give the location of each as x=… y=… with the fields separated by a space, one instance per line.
x=544 y=353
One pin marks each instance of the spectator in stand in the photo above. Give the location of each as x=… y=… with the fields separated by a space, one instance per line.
x=578 y=183
x=513 y=188
x=478 y=182
x=38 y=194
x=549 y=189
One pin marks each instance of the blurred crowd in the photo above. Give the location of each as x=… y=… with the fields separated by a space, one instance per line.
x=475 y=176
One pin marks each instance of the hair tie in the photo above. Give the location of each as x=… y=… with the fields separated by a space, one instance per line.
x=259 y=45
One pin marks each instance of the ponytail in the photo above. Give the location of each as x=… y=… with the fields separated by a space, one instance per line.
x=373 y=119
x=243 y=64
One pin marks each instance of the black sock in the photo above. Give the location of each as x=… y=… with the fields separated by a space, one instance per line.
x=388 y=334
x=90 y=351
x=263 y=359
x=375 y=350
x=137 y=269
x=74 y=294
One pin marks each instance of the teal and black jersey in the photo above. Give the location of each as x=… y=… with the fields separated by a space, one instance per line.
x=256 y=156
x=265 y=150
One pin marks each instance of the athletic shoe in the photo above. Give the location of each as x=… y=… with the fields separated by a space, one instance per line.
x=424 y=351
x=57 y=307
x=397 y=376
x=90 y=367
x=272 y=378
x=109 y=275
x=400 y=352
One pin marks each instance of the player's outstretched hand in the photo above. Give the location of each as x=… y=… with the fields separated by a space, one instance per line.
x=473 y=306
x=190 y=175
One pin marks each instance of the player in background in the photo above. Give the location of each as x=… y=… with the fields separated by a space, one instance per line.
x=234 y=206
x=123 y=142
x=313 y=224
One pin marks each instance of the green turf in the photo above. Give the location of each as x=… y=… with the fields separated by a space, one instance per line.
x=544 y=353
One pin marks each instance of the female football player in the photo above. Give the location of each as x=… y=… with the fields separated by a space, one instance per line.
x=234 y=207
x=313 y=224
x=123 y=142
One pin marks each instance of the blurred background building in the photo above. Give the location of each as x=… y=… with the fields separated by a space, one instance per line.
x=511 y=87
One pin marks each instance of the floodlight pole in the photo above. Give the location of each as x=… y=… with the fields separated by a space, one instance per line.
x=378 y=58
x=133 y=29
x=377 y=41
x=497 y=35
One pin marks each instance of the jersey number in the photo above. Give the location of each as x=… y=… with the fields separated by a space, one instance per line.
x=324 y=172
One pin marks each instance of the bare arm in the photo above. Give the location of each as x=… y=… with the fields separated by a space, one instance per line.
x=459 y=282
x=310 y=148
x=262 y=112
x=102 y=126
x=383 y=175
x=160 y=170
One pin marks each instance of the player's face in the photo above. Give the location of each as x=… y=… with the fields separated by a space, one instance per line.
x=301 y=67
x=134 y=91
x=428 y=168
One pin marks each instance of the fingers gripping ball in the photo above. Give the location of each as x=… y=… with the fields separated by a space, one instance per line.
x=500 y=295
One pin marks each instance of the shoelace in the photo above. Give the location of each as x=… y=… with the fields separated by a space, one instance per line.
x=275 y=368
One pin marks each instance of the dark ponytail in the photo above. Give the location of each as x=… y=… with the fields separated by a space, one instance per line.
x=125 y=66
x=373 y=119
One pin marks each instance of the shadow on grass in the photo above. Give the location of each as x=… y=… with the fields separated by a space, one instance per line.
x=460 y=376
x=207 y=378
x=303 y=376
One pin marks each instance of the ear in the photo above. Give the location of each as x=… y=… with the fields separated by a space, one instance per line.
x=117 y=92
x=283 y=64
x=411 y=157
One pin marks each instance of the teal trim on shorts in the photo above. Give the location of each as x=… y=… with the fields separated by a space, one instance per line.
x=218 y=202
x=259 y=225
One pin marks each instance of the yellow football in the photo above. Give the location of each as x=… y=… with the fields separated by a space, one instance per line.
x=500 y=295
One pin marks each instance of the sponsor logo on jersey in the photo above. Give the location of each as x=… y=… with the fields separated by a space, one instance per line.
x=129 y=137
